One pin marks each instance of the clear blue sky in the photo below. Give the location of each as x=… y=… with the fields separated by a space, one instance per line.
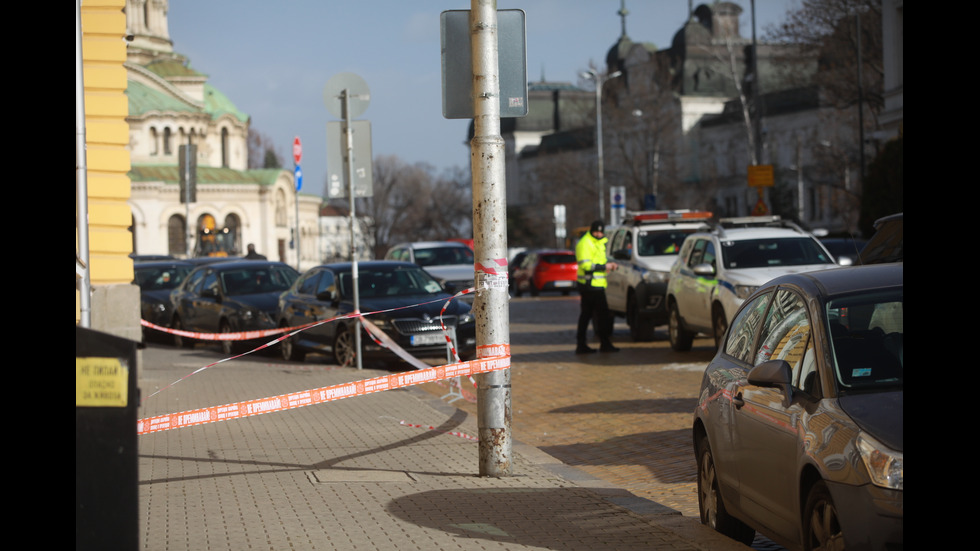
x=274 y=58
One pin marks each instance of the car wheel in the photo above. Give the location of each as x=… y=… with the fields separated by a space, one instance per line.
x=640 y=329
x=681 y=339
x=228 y=347
x=179 y=341
x=719 y=324
x=290 y=351
x=344 y=352
x=821 y=527
x=711 y=505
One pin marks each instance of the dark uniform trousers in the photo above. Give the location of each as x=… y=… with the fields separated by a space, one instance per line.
x=594 y=309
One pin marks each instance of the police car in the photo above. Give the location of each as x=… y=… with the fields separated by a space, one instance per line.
x=718 y=269
x=645 y=247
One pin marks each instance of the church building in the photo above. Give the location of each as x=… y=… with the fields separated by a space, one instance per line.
x=182 y=129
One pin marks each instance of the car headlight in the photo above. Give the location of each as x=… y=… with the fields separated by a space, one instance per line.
x=651 y=276
x=885 y=466
x=380 y=322
x=745 y=291
x=159 y=308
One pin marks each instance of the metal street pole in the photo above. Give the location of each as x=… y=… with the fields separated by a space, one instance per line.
x=82 y=271
x=599 y=81
x=490 y=241
x=349 y=144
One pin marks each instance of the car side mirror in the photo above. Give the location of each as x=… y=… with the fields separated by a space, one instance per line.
x=705 y=270
x=210 y=293
x=622 y=254
x=774 y=374
x=330 y=295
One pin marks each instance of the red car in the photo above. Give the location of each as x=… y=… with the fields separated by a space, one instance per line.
x=546 y=270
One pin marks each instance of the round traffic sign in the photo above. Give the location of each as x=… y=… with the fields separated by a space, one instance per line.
x=356 y=90
x=297 y=150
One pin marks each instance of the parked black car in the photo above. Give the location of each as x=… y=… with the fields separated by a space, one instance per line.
x=888 y=242
x=228 y=297
x=846 y=250
x=156 y=281
x=798 y=432
x=400 y=298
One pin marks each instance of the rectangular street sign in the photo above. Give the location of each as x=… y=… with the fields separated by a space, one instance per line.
x=457 y=64
x=337 y=170
x=760 y=176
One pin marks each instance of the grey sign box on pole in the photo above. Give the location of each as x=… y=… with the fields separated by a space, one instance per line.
x=336 y=168
x=457 y=64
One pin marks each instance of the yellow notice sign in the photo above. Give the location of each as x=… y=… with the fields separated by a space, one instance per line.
x=101 y=382
x=760 y=176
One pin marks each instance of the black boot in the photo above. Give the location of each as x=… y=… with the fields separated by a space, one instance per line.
x=607 y=346
x=583 y=348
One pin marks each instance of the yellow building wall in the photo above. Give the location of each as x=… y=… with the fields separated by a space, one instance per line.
x=103 y=25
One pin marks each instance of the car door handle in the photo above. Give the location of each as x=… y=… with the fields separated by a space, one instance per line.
x=738 y=401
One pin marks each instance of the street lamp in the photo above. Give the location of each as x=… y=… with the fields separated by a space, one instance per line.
x=599 y=81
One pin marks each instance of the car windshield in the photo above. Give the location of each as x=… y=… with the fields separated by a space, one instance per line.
x=868 y=340
x=252 y=280
x=844 y=247
x=767 y=253
x=161 y=277
x=443 y=256
x=558 y=258
x=658 y=243
x=389 y=282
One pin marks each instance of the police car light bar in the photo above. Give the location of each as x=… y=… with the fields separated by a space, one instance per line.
x=668 y=215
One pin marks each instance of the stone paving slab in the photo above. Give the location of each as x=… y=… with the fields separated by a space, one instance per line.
x=350 y=475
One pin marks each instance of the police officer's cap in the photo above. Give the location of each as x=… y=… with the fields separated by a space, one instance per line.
x=598 y=225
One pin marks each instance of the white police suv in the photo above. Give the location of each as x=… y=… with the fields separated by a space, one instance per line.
x=718 y=269
x=645 y=247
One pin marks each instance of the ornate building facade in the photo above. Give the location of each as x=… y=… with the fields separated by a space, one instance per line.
x=175 y=114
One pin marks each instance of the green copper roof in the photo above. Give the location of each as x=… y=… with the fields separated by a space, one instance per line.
x=172 y=68
x=205 y=175
x=218 y=104
x=143 y=99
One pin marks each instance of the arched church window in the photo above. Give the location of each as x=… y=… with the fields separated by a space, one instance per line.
x=167 y=150
x=281 y=219
x=224 y=148
x=233 y=235
x=176 y=236
x=154 y=141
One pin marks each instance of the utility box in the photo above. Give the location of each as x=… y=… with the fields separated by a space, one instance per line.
x=106 y=472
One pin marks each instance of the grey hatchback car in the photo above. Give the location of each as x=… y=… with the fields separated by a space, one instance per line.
x=798 y=432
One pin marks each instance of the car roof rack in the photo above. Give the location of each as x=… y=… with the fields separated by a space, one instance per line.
x=636 y=218
x=774 y=221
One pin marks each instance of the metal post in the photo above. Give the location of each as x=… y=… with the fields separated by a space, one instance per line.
x=490 y=240
x=82 y=266
x=757 y=83
x=296 y=238
x=600 y=176
x=349 y=136
x=187 y=208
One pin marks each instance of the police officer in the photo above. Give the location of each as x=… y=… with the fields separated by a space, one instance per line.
x=590 y=253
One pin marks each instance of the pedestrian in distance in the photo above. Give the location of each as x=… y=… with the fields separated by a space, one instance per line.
x=252 y=255
x=590 y=254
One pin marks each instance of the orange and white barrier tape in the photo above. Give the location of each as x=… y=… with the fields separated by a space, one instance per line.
x=286 y=332
x=272 y=404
